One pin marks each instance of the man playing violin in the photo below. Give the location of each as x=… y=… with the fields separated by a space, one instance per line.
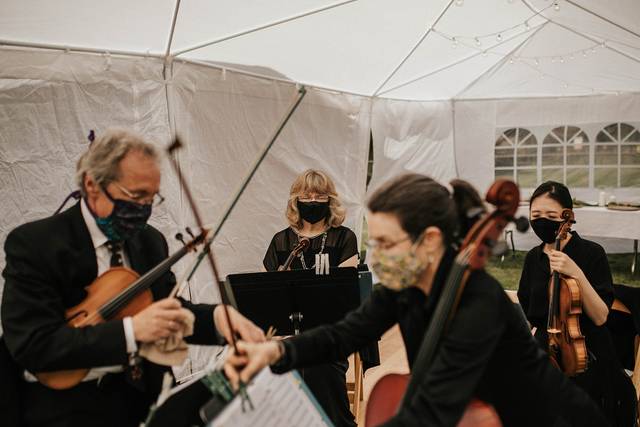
x=49 y=263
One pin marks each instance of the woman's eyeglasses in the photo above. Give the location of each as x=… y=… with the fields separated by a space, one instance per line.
x=313 y=198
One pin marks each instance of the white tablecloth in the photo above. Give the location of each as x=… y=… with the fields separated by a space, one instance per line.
x=602 y=225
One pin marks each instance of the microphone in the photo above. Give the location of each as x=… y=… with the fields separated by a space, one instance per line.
x=302 y=245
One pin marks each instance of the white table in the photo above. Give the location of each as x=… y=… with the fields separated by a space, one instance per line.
x=603 y=222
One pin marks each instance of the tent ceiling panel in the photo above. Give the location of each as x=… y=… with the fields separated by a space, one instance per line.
x=140 y=26
x=200 y=21
x=456 y=77
x=625 y=13
x=597 y=25
x=351 y=47
x=546 y=45
x=601 y=71
x=441 y=50
x=365 y=46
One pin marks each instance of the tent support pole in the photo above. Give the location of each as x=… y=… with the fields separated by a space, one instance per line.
x=413 y=49
x=167 y=51
x=500 y=63
x=67 y=48
x=453 y=64
x=261 y=27
x=583 y=35
x=605 y=19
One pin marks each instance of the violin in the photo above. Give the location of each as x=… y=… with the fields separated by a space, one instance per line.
x=117 y=293
x=394 y=391
x=567 y=347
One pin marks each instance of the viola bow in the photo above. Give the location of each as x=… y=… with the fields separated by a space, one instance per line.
x=206 y=251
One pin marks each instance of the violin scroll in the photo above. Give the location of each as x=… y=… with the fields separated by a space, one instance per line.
x=567 y=221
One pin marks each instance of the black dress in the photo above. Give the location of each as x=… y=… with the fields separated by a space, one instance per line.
x=339 y=242
x=604 y=379
x=488 y=353
x=327 y=382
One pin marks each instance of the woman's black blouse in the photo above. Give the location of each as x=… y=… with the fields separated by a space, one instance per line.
x=533 y=292
x=604 y=379
x=341 y=244
x=488 y=353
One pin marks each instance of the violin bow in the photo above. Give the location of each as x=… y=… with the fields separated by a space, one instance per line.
x=206 y=251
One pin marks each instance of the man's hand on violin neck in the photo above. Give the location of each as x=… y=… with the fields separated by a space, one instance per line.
x=242 y=326
x=159 y=320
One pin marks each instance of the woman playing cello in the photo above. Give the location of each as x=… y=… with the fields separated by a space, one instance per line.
x=487 y=351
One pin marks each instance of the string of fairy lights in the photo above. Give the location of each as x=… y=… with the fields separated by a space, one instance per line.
x=480 y=42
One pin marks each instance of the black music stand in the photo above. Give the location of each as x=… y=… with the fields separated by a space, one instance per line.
x=287 y=300
x=293 y=301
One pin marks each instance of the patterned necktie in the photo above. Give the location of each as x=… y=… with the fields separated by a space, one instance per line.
x=115 y=248
x=133 y=369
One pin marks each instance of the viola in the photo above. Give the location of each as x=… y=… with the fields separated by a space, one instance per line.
x=394 y=391
x=567 y=347
x=117 y=293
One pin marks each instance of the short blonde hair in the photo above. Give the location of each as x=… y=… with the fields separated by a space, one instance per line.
x=314 y=181
x=102 y=159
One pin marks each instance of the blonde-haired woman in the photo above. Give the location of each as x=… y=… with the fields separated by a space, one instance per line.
x=314 y=211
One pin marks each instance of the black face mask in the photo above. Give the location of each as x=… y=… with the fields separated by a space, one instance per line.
x=126 y=219
x=313 y=212
x=546 y=229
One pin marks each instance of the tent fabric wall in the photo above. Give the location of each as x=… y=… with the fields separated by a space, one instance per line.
x=50 y=100
x=226 y=118
x=48 y=103
x=412 y=137
x=477 y=124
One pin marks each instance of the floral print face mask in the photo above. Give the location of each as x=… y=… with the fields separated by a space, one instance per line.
x=398 y=271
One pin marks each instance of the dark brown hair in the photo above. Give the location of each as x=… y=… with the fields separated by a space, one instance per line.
x=556 y=191
x=419 y=202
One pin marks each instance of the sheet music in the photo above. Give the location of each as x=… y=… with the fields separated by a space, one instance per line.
x=278 y=401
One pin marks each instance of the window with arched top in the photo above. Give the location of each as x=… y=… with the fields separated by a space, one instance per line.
x=516 y=156
x=617 y=156
x=565 y=156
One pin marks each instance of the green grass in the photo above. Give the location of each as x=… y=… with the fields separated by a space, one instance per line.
x=508 y=271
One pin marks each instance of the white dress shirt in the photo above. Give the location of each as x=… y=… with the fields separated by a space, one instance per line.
x=103 y=258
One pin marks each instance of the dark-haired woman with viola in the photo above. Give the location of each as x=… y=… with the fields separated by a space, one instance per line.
x=586 y=262
x=487 y=351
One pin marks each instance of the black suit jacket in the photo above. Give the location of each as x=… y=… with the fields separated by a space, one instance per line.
x=49 y=262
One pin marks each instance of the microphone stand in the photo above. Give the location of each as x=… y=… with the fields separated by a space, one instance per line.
x=304 y=244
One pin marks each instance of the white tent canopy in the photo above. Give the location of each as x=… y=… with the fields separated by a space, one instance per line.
x=413 y=49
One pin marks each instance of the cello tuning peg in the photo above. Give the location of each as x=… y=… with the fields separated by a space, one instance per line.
x=180 y=238
x=522 y=224
x=189 y=232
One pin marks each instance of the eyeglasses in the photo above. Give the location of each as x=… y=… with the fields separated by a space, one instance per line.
x=374 y=243
x=313 y=198
x=154 y=200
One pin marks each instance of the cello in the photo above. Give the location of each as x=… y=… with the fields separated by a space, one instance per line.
x=393 y=391
x=567 y=347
